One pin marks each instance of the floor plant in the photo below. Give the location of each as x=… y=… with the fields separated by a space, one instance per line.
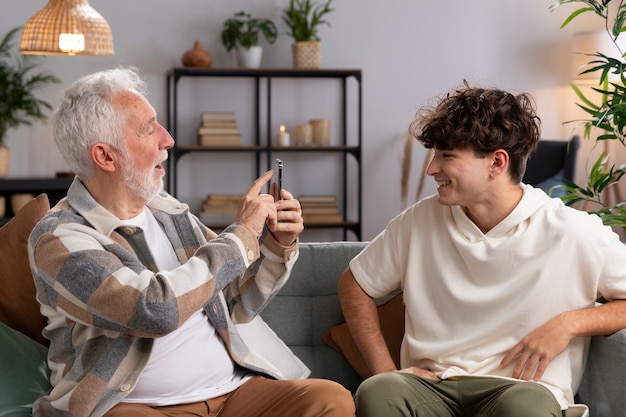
x=19 y=79
x=605 y=112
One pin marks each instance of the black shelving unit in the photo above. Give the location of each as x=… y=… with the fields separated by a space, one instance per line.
x=55 y=188
x=262 y=79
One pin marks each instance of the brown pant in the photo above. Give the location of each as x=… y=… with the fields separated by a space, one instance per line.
x=259 y=397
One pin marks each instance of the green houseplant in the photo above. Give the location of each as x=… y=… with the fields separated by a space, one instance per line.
x=303 y=19
x=605 y=110
x=241 y=32
x=18 y=82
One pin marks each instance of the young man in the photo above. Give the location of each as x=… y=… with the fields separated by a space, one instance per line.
x=141 y=298
x=499 y=280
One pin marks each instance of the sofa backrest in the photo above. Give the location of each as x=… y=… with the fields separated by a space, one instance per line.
x=307 y=306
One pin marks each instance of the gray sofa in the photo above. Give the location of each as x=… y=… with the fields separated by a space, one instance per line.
x=304 y=310
x=307 y=307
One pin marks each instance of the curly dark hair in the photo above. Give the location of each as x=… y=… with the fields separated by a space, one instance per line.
x=483 y=120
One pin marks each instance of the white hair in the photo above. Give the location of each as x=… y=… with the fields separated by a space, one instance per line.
x=86 y=116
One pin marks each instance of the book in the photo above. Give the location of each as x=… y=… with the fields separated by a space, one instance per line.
x=320 y=209
x=221 y=200
x=219 y=140
x=219 y=123
x=223 y=197
x=219 y=208
x=317 y=199
x=223 y=130
x=306 y=209
x=217 y=115
x=322 y=218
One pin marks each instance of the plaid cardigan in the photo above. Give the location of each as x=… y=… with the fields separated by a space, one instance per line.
x=105 y=300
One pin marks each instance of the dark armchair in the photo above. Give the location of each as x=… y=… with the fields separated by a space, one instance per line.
x=552 y=163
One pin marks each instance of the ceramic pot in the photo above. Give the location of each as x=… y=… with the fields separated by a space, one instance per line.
x=4 y=161
x=197 y=57
x=249 y=58
x=307 y=55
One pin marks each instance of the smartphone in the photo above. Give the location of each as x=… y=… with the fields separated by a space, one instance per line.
x=279 y=181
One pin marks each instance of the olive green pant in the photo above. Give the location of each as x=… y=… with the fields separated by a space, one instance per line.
x=398 y=394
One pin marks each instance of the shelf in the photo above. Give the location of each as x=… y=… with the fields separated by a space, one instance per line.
x=263 y=151
x=264 y=72
x=353 y=150
x=26 y=185
x=55 y=188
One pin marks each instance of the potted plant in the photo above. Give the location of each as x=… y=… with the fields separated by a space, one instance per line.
x=303 y=18
x=18 y=103
x=241 y=32
x=605 y=108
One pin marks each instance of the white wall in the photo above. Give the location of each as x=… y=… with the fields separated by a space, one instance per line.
x=409 y=51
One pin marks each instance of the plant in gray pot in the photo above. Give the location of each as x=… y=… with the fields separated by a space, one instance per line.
x=303 y=18
x=18 y=82
x=241 y=33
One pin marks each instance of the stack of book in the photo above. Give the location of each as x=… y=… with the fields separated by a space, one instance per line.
x=320 y=209
x=218 y=129
x=219 y=208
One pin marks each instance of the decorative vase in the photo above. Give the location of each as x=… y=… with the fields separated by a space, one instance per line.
x=4 y=161
x=197 y=57
x=307 y=55
x=249 y=58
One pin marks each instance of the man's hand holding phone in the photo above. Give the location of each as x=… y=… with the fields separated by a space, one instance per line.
x=289 y=213
x=283 y=216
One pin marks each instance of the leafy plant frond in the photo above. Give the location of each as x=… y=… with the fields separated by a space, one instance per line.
x=18 y=82
x=303 y=18
x=243 y=30
x=606 y=114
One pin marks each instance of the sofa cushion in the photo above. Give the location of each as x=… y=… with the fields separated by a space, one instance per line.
x=24 y=376
x=307 y=306
x=19 y=308
x=391 y=317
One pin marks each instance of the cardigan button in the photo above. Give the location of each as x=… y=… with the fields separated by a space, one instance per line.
x=250 y=255
x=125 y=387
x=129 y=230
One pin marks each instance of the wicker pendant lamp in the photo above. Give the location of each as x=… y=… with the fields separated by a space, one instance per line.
x=67 y=27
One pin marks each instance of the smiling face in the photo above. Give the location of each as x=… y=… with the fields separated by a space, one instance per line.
x=463 y=178
x=145 y=146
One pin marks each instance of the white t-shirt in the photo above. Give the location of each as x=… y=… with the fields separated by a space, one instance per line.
x=470 y=296
x=190 y=364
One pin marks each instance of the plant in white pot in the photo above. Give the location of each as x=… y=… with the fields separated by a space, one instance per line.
x=303 y=18
x=18 y=104
x=241 y=33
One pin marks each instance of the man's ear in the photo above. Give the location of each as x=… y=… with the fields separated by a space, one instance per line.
x=104 y=156
x=499 y=162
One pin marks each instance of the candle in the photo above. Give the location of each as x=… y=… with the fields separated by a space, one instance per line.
x=283 y=137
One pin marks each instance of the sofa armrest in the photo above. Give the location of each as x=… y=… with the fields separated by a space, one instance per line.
x=603 y=388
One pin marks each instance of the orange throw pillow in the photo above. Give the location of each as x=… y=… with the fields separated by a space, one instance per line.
x=19 y=308
x=391 y=317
